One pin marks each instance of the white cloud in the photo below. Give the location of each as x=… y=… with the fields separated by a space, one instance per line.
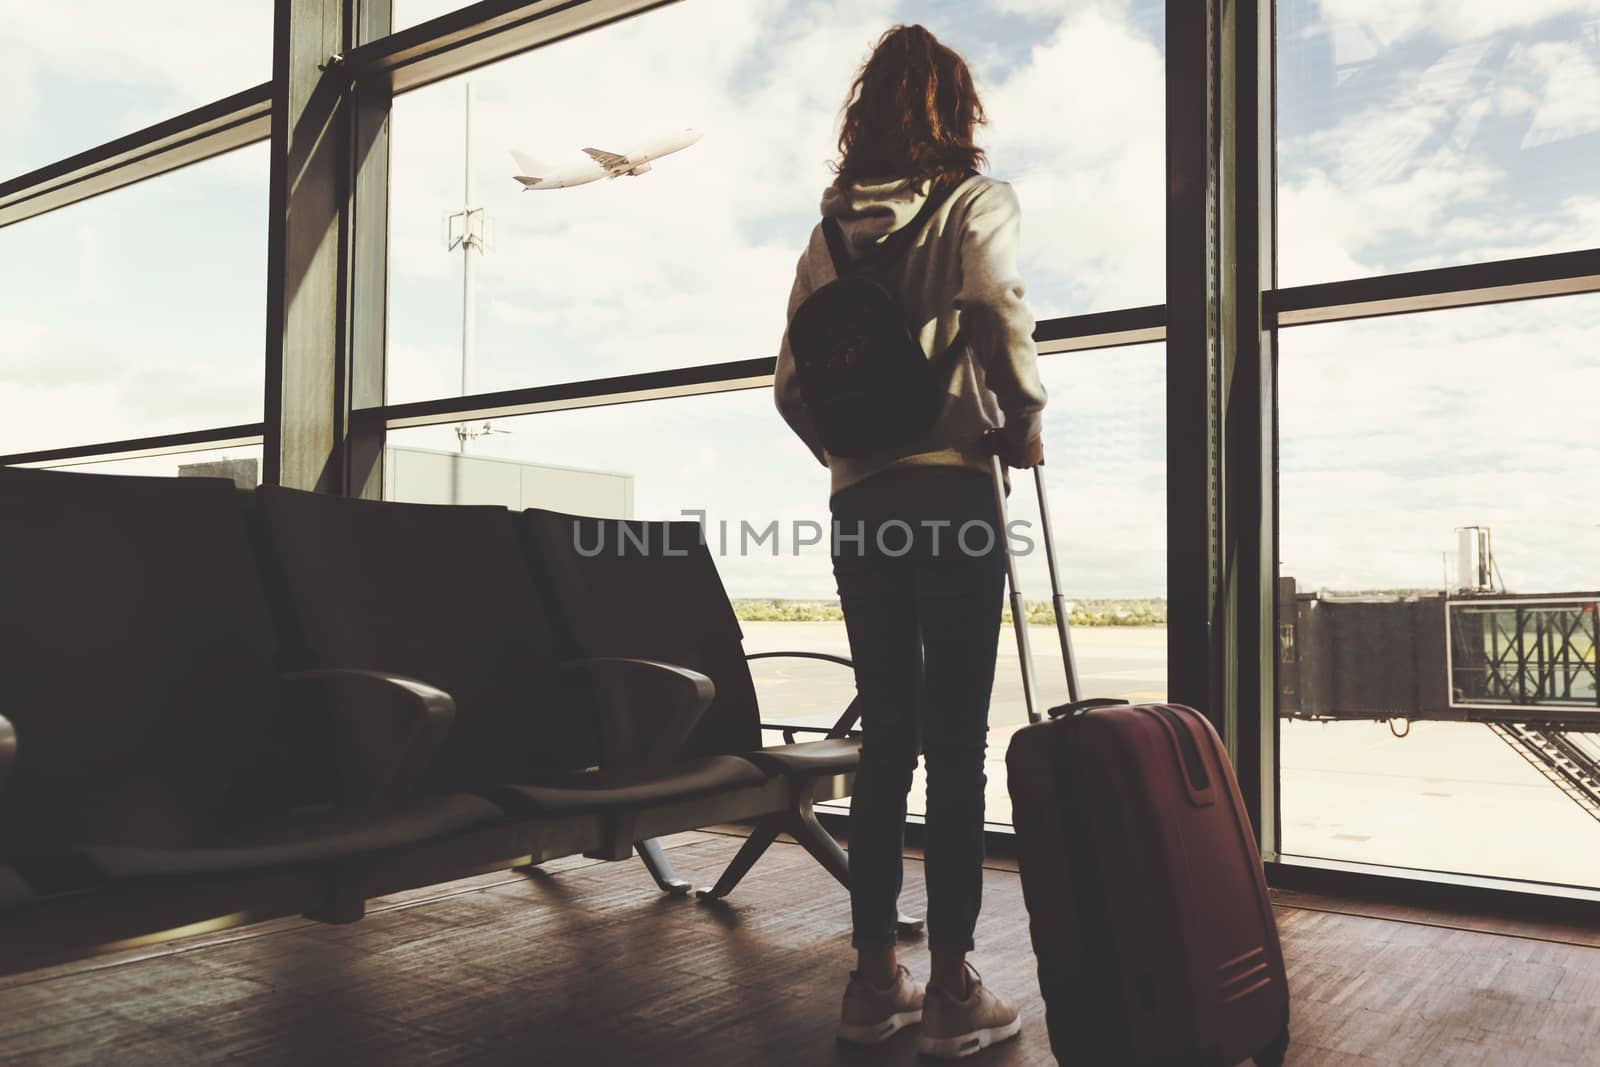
x=1450 y=19
x=1081 y=125
x=1394 y=431
x=1405 y=160
x=1055 y=8
x=76 y=74
x=195 y=48
x=1570 y=103
x=1327 y=227
x=17 y=97
x=140 y=312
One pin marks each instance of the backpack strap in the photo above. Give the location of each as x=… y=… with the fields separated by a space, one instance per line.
x=836 y=246
x=945 y=363
x=895 y=244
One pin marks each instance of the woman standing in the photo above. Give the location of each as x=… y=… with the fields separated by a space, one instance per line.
x=916 y=550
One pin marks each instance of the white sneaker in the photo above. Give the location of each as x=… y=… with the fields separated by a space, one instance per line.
x=953 y=1029
x=870 y=1016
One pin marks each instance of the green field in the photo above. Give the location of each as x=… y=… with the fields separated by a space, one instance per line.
x=1128 y=612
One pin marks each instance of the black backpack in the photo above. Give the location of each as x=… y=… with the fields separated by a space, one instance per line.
x=863 y=375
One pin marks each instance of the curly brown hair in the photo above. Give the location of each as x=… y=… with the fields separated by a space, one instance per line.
x=911 y=113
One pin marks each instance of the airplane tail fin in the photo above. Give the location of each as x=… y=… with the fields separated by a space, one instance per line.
x=530 y=167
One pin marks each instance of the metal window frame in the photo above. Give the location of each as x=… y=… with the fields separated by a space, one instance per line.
x=170 y=444
x=235 y=121
x=1077 y=333
x=1224 y=577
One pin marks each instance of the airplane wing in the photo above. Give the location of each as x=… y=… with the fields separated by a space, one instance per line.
x=609 y=160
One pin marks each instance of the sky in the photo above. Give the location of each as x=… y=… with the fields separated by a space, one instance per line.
x=1411 y=134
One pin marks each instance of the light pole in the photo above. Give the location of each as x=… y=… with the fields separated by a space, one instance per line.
x=470 y=239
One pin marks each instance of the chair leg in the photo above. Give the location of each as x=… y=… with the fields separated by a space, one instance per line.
x=338 y=908
x=822 y=846
x=824 y=849
x=660 y=868
x=765 y=832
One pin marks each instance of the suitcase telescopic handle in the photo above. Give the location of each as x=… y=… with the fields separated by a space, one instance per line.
x=1058 y=600
x=1080 y=707
x=1019 y=609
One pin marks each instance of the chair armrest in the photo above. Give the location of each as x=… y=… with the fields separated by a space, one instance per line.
x=622 y=685
x=852 y=714
x=828 y=657
x=8 y=750
x=385 y=728
x=847 y=721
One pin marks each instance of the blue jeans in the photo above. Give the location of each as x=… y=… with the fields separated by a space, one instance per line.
x=922 y=589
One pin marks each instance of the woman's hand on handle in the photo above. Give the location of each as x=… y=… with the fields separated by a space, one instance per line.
x=1029 y=454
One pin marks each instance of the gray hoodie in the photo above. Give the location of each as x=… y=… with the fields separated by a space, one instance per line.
x=959 y=273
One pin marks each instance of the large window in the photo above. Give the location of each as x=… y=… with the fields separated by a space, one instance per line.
x=1435 y=615
x=1434 y=512
x=1417 y=135
x=137 y=313
x=693 y=262
x=1437 y=472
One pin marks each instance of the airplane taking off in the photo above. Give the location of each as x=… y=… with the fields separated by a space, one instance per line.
x=605 y=164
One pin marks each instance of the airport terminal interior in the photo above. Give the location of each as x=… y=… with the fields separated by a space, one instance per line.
x=341 y=340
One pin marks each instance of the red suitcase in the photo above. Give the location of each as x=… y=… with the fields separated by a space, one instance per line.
x=1150 y=918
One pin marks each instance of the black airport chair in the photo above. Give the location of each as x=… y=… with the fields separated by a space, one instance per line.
x=444 y=593
x=642 y=588
x=163 y=769
x=13 y=890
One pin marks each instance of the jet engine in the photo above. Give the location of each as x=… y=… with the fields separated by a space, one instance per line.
x=643 y=168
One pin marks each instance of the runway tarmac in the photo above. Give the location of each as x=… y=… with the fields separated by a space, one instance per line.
x=1449 y=797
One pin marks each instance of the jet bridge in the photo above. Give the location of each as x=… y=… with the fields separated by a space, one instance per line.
x=1524 y=665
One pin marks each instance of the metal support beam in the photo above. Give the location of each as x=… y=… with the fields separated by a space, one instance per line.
x=329 y=156
x=1528 y=278
x=1077 y=333
x=1105 y=329
x=1221 y=549
x=307 y=197
x=1194 y=281
x=166 y=444
x=367 y=276
x=1249 y=439
x=486 y=32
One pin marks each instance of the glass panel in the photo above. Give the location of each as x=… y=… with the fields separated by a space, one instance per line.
x=241 y=463
x=1532 y=655
x=693 y=262
x=136 y=313
x=732 y=457
x=73 y=76
x=1415 y=135
x=408 y=13
x=1406 y=442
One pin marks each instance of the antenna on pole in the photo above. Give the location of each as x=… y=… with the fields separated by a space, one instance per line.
x=466 y=230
